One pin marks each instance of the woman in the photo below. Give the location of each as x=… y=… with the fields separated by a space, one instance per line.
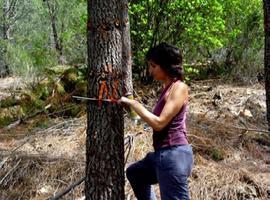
x=171 y=162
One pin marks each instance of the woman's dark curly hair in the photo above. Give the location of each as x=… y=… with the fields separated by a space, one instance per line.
x=169 y=58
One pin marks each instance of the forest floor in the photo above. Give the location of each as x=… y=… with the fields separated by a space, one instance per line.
x=226 y=122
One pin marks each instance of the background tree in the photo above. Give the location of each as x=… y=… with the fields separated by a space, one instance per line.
x=267 y=56
x=52 y=6
x=9 y=18
x=106 y=55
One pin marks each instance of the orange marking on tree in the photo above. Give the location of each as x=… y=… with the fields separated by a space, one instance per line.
x=103 y=88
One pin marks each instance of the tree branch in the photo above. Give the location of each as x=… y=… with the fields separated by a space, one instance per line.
x=73 y=185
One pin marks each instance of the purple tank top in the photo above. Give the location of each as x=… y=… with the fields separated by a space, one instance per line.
x=175 y=132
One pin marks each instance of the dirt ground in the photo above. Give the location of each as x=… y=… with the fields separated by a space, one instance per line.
x=226 y=126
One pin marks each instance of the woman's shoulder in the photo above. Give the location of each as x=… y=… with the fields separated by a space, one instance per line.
x=180 y=86
x=178 y=90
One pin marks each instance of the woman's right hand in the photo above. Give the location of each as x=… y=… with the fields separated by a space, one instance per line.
x=125 y=100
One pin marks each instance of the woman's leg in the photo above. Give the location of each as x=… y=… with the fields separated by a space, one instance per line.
x=173 y=169
x=141 y=176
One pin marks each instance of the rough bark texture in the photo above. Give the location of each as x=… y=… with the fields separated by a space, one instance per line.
x=105 y=131
x=267 y=56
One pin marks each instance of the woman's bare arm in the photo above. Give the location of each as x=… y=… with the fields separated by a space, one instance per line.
x=174 y=102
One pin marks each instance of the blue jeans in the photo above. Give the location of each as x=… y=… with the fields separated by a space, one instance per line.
x=169 y=166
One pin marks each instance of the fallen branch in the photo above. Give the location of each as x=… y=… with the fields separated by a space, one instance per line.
x=44 y=157
x=14 y=150
x=30 y=137
x=128 y=140
x=250 y=129
x=13 y=125
x=19 y=121
x=10 y=171
x=73 y=185
x=235 y=127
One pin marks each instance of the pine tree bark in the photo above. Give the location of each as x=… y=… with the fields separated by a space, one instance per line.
x=266 y=4
x=105 y=130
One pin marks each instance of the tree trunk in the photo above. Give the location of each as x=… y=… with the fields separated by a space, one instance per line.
x=127 y=61
x=266 y=4
x=4 y=69
x=57 y=42
x=126 y=52
x=105 y=130
x=58 y=46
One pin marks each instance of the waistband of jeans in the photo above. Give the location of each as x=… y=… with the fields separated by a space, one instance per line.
x=171 y=147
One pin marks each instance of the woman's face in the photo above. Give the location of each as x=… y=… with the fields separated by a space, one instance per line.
x=156 y=71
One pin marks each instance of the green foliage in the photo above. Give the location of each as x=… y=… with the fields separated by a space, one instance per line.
x=222 y=34
x=245 y=37
x=31 y=44
x=228 y=35
x=191 y=72
x=71 y=24
x=5 y=121
x=9 y=115
x=8 y=102
x=68 y=79
x=52 y=95
x=192 y=25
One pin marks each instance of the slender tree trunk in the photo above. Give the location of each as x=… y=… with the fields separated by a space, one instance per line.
x=126 y=52
x=127 y=61
x=266 y=4
x=57 y=42
x=4 y=69
x=105 y=130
